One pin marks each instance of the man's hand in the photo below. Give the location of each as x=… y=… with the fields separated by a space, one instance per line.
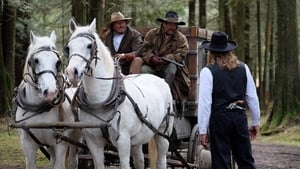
x=204 y=140
x=129 y=57
x=155 y=60
x=120 y=56
x=253 y=130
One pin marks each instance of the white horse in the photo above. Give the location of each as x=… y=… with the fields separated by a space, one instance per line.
x=41 y=98
x=114 y=101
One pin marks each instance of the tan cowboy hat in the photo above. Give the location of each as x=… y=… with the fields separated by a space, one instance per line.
x=172 y=17
x=117 y=16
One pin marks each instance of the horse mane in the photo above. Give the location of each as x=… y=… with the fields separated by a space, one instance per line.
x=25 y=69
x=105 y=54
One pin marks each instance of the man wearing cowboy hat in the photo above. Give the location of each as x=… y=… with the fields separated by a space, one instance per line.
x=123 y=41
x=164 y=43
x=226 y=86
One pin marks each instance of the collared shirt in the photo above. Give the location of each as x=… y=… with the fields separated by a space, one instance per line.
x=131 y=42
x=205 y=99
x=117 y=38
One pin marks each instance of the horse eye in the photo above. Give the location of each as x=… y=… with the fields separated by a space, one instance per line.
x=36 y=61
x=89 y=46
x=58 y=65
x=66 y=51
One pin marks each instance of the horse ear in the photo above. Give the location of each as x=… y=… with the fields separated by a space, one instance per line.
x=32 y=37
x=72 y=25
x=93 y=25
x=53 y=36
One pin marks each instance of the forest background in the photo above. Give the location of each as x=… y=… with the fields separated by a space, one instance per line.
x=266 y=31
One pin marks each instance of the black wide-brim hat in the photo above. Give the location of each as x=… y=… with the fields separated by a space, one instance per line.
x=219 y=43
x=171 y=17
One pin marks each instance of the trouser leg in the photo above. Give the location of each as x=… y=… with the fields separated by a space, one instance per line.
x=241 y=145
x=147 y=69
x=135 y=66
x=170 y=72
x=220 y=142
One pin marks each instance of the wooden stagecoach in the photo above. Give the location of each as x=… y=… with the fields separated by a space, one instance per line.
x=185 y=133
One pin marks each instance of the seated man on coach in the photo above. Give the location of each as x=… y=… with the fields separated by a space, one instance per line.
x=164 y=51
x=123 y=41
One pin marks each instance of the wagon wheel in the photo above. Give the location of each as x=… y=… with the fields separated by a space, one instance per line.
x=196 y=152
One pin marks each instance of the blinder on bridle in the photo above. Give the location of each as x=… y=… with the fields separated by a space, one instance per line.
x=32 y=63
x=92 y=47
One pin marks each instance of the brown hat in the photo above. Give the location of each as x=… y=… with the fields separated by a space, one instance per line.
x=117 y=16
x=172 y=17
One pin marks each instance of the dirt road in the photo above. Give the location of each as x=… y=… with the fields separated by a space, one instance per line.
x=267 y=156
x=274 y=156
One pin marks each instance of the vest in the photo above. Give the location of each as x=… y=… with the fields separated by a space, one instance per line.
x=228 y=86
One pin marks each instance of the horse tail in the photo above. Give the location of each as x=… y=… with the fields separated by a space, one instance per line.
x=152 y=149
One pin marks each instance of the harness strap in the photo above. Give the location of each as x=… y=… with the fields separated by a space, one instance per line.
x=71 y=141
x=22 y=102
x=43 y=150
x=111 y=103
x=148 y=124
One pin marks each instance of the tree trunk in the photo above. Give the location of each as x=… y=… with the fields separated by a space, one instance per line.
x=22 y=40
x=6 y=81
x=248 y=58
x=267 y=56
x=225 y=17
x=94 y=10
x=239 y=28
x=287 y=70
x=192 y=12
x=101 y=14
x=222 y=15
x=202 y=13
x=259 y=56
x=9 y=19
x=79 y=8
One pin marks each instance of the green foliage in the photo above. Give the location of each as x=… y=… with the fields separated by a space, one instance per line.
x=51 y=15
x=147 y=14
x=55 y=15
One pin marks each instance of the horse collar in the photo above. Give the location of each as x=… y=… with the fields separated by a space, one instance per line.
x=20 y=100
x=115 y=98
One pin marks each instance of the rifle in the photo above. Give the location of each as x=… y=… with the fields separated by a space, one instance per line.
x=171 y=61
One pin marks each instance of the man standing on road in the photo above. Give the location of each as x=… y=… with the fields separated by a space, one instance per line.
x=226 y=86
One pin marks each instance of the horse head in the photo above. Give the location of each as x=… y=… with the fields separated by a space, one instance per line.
x=43 y=65
x=85 y=51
